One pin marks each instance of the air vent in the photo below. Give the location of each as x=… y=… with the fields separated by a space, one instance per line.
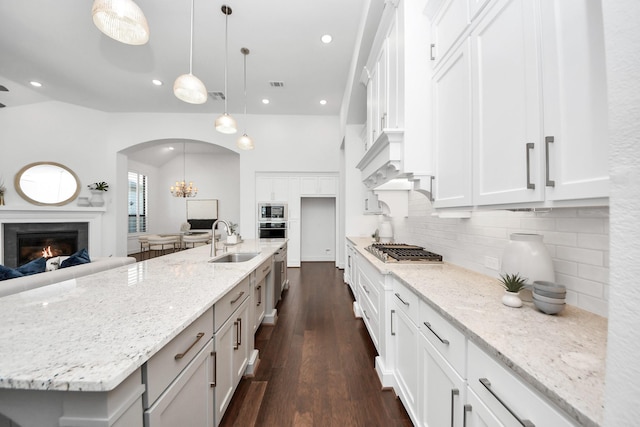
x=3 y=89
x=216 y=95
x=276 y=84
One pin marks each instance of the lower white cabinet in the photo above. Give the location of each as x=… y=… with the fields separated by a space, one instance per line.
x=476 y=413
x=262 y=274
x=232 y=348
x=189 y=399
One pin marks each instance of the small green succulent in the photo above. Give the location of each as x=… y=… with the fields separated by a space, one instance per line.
x=512 y=282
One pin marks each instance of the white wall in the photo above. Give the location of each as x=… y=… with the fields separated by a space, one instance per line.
x=622 y=391
x=317 y=229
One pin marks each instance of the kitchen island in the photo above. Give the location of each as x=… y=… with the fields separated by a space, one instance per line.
x=560 y=357
x=83 y=343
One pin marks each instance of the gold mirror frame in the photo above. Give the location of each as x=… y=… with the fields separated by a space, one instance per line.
x=32 y=190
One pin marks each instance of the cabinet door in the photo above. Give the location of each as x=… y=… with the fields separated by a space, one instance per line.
x=405 y=358
x=476 y=414
x=449 y=23
x=259 y=303
x=189 y=399
x=272 y=189
x=507 y=124
x=263 y=189
x=225 y=340
x=451 y=91
x=327 y=185
x=242 y=323
x=575 y=100
x=382 y=90
x=293 y=252
x=442 y=391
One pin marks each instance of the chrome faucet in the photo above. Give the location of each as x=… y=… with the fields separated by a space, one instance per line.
x=214 y=251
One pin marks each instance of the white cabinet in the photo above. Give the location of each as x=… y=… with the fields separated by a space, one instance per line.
x=370 y=294
x=262 y=275
x=452 y=131
x=351 y=269
x=318 y=186
x=447 y=26
x=507 y=102
x=404 y=345
x=190 y=397
x=272 y=189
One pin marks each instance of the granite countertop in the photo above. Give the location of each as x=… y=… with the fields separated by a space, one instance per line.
x=91 y=333
x=562 y=356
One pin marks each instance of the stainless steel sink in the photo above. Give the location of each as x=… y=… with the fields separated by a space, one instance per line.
x=235 y=257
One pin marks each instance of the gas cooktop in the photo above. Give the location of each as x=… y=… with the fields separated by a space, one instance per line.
x=404 y=253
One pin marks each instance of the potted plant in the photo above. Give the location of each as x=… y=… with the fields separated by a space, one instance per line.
x=97 y=188
x=513 y=284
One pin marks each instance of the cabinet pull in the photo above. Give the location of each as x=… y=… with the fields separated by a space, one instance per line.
x=548 y=140
x=487 y=384
x=401 y=300
x=530 y=185
x=428 y=325
x=237 y=298
x=264 y=270
x=454 y=392
x=181 y=355
x=433 y=57
x=236 y=345
x=349 y=257
x=392 y=313
x=365 y=288
x=215 y=369
x=259 y=289
x=365 y=314
x=467 y=408
x=383 y=121
x=239 y=331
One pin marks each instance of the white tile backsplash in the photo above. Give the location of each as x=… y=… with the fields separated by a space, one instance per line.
x=577 y=239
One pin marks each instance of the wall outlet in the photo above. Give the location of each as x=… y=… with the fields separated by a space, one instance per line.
x=492 y=263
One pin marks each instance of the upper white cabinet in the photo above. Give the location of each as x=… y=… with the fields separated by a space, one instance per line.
x=520 y=87
x=311 y=186
x=396 y=137
x=269 y=189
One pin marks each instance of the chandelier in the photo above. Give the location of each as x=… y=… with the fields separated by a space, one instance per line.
x=181 y=189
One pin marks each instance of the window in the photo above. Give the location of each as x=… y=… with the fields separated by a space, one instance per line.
x=137 y=202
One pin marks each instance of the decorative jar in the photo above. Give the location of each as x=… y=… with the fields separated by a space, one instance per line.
x=526 y=255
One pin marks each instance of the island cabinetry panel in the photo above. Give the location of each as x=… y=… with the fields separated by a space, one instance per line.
x=190 y=397
x=506 y=397
x=165 y=366
x=263 y=283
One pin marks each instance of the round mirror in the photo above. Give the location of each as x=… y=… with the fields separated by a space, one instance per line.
x=47 y=183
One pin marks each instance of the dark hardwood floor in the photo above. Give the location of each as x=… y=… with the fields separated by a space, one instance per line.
x=317 y=362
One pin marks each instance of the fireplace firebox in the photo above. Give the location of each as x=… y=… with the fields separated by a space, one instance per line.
x=24 y=242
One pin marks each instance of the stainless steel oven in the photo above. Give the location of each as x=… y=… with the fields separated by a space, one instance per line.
x=272 y=211
x=272 y=229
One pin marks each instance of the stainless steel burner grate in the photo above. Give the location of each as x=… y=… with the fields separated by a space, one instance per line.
x=399 y=252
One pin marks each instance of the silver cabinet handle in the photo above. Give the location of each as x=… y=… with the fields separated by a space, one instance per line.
x=259 y=289
x=365 y=288
x=548 y=140
x=467 y=408
x=237 y=298
x=428 y=325
x=401 y=300
x=454 y=392
x=487 y=384
x=383 y=120
x=365 y=314
x=181 y=355
x=530 y=185
x=215 y=369
x=392 y=313
x=433 y=57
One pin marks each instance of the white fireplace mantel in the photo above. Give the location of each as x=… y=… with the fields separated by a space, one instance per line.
x=92 y=215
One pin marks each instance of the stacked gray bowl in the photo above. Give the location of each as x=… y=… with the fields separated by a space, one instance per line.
x=549 y=297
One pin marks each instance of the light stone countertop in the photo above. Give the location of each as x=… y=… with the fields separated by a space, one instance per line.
x=91 y=333
x=562 y=356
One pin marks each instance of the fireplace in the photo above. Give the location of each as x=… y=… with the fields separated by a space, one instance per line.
x=26 y=241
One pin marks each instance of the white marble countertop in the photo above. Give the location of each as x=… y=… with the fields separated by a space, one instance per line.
x=91 y=333
x=562 y=356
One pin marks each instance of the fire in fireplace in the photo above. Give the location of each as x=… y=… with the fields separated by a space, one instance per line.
x=24 y=242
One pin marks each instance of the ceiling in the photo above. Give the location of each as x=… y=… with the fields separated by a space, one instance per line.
x=57 y=44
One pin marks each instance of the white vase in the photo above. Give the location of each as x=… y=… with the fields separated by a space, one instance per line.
x=511 y=299
x=526 y=255
x=97 y=198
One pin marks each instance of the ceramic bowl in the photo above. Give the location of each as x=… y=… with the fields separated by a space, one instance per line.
x=549 y=294
x=550 y=300
x=549 y=286
x=548 y=308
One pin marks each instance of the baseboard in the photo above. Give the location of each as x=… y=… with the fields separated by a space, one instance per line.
x=252 y=365
x=386 y=377
x=270 y=318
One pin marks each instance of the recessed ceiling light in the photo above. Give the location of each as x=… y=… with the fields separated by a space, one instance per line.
x=323 y=102
x=157 y=82
x=265 y=101
x=35 y=83
x=326 y=38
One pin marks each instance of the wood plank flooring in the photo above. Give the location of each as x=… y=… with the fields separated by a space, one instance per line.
x=316 y=364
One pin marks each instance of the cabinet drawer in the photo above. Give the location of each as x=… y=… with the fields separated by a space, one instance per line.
x=498 y=388
x=445 y=337
x=371 y=318
x=263 y=269
x=406 y=300
x=370 y=291
x=232 y=300
x=165 y=365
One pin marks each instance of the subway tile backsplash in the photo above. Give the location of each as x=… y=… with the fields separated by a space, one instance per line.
x=577 y=239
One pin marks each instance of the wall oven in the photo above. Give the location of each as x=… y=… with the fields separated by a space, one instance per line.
x=272 y=211
x=272 y=229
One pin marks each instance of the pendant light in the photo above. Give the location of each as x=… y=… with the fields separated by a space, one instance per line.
x=245 y=142
x=225 y=123
x=181 y=189
x=122 y=20
x=188 y=87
